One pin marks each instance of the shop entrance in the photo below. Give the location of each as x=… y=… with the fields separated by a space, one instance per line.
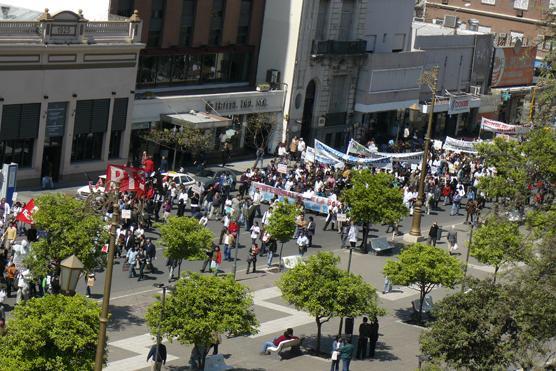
x=307 y=118
x=52 y=157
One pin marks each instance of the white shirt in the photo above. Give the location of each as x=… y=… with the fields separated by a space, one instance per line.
x=352 y=233
x=255 y=231
x=301 y=146
x=257 y=198
x=203 y=221
x=302 y=240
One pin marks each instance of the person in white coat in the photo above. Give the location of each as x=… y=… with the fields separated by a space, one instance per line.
x=352 y=234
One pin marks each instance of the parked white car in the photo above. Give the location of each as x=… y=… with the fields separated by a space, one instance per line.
x=188 y=180
x=98 y=187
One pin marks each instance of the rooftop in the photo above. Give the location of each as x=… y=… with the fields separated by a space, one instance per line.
x=93 y=10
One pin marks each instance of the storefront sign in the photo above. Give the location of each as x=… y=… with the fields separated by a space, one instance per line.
x=56 y=119
x=315 y=203
x=459 y=104
x=513 y=66
x=236 y=104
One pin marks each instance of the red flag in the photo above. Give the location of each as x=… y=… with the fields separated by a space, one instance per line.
x=130 y=178
x=26 y=214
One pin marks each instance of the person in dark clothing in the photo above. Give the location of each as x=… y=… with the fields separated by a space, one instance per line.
x=141 y=262
x=364 y=335
x=374 y=336
x=158 y=354
x=181 y=208
x=252 y=258
x=433 y=234
x=150 y=252
x=208 y=259
x=311 y=227
x=31 y=234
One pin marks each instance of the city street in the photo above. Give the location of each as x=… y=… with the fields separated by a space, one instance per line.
x=398 y=343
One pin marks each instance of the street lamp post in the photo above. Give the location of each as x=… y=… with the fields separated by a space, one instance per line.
x=158 y=337
x=430 y=79
x=70 y=270
x=99 y=358
x=473 y=224
x=348 y=270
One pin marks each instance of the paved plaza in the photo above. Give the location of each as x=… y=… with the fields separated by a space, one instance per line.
x=397 y=347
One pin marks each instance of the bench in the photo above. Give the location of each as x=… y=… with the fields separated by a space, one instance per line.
x=380 y=244
x=427 y=304
x=293 y=345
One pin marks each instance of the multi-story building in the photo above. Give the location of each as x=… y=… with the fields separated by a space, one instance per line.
x=201 y=55
x=317 y=48
x=67 y=92
x=510 y=20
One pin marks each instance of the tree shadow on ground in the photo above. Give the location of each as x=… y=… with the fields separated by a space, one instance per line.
x=125 y=316
x=382 y=352
x=409 y=316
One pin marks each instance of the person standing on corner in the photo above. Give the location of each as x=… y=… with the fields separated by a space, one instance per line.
x=373 y=336
x=453 y=240
x=311 y=230
x=252 y=258
x=336 y=345
x=364 y=335
x=260 y=155
x=346 y=353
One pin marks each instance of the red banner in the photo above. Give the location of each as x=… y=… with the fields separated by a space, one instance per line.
x=26 y=214
x=131 y=179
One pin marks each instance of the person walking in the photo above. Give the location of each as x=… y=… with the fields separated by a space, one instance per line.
x=352 y=235
x=217 y=259
x=272 y=248
x=171 y=264
x=90 y=283
x=346 y=353
x=252 y=258
x=311 y=227
x=302 y=242
x=336 y=345
x=150 y=253
x=453 y=240
x=260 y=155
x=364 y=336
x=433 y=234
x=208 y=260
x=158 y=354
x=131 y=257
x=141 y=263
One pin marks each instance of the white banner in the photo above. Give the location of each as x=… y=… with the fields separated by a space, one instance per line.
x=456 y=145
x=358 y=148
x=502 y=127
x=331 y=152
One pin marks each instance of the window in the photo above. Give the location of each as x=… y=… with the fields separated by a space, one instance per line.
x=515 y=35
x=244 y=21
x=86 y=147
x=91 y=120
x=19 y=151
x=338 y=94
x=346 y=21
x=521 y=4
x=217 y=22
x=125 y=8
x=156 y=23
x=18 y=130
x=119 y=118
x=115 y=142
x=489 y=2
x=371 y=43
x=164 y=70
x=398 y=42
x=187 y=22
x=322 y=20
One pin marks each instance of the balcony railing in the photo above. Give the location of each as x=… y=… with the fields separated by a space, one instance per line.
x=335 y=47
x=335 y=118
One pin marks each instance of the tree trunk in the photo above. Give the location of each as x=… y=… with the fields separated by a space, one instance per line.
x=319 y=325
x=495 y=271
x=365 y=238
x=420 y=313
x=204 y=358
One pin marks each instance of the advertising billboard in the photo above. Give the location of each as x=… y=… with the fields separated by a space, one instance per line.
x=513 y=66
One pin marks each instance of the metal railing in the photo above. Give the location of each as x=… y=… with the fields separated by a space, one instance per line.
x=335 y=47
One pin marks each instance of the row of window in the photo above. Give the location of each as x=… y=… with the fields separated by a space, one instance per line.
x=187 y=20
x=163 y=70
x=20 y=123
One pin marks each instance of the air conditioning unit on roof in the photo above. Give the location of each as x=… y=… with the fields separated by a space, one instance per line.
x=450 y=21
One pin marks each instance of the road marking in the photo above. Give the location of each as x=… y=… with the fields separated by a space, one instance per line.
x=132 y=294
x=294 y=318
x=136 y=344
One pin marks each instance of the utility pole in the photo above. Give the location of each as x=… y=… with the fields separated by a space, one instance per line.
x=431 y=79
x=99 y=358
x=474 y=220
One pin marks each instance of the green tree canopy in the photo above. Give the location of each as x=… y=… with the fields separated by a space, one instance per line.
x=325 y=291
x=426 y=267
x=498 y=241
x=185 y=238
x=372 y=199
x=54 y=332
x=201 y=306
x=71 y=228
x=281 y=224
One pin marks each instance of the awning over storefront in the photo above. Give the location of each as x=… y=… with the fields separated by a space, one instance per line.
x=196 y=120
x=453 y=104
x=514 y=89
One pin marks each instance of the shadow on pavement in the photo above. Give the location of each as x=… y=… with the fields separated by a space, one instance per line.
x=125 y=316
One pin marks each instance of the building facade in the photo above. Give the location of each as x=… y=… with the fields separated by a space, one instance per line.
x=200 y=52
x=317 y=47
x=509 y=20
x=67 y=93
